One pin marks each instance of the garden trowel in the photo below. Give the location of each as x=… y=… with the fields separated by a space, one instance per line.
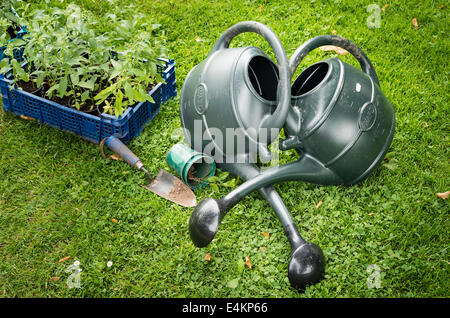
x=164 y=185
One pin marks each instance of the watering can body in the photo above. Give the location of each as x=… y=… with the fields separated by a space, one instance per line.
x=234 y=103
x=229 y=93
x=341 y=118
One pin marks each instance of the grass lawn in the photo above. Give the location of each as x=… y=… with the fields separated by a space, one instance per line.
x=58 y=198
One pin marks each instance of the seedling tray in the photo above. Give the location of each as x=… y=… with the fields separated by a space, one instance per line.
x=93 y=128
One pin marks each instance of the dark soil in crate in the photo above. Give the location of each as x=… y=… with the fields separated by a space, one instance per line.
x=89 y=106
x=30 y=87
x=13 y=30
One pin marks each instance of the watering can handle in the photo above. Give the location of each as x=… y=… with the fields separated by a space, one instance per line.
x=278 y=117
x=338 y=41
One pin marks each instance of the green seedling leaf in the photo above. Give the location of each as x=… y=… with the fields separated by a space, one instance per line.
x=93 y=43
x=40 y=79
x=62 y=88
x=88 y=85
x=75 y=78
x=4 y=66
x=52 y=88
x=149 y=98
x=138 y=73
x=128 y=90
x=116 y=64
x=114 y=74
x=105 y=93
x=118 y=104
x=20 y=71
x=73 y=61
x=84 y=96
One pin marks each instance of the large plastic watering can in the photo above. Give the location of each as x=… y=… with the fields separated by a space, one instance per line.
x=340 y=123
x=240 y=89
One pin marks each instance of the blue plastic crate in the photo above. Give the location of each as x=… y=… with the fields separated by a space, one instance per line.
x=93 y=128
x=18 y=52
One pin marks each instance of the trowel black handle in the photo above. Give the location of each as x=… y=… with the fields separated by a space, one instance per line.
x=120 y=149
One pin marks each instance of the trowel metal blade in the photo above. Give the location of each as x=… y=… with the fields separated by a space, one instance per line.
x=172 y=189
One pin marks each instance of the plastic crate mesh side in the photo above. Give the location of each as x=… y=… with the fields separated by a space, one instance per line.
x=122 y=128
x=30 y=105
x=16 y=102
x=50 y=115
x=157 y=97
x=18 y=53
x=70 y=121
x=2 y=49
x=170 y=88
x=140 y=118
x=106 y=129
x=5 y=93
x=89 y=127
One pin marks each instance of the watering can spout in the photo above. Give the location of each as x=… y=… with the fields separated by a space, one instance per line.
x=307 y=169
x=206 y=217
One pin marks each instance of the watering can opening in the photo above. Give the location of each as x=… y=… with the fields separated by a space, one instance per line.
x=310 y=79
x=263 y=75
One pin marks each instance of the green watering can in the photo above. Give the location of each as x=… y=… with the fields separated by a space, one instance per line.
x=341 y=125
x=236 y=89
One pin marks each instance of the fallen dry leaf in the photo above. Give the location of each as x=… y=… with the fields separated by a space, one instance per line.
x=334 y=32
x=26 y=118
x=207 y=257
x=414 y=22
x=338 y=50
x=197 y=39
x=247 y=262
x=443 y=195
x=55 y=279
x=261 y=8
x=115 y=157
x=385 y=6
x=64 y=259
x=425 y=124
x=265 y=234
x=115 y=221
x=319 y=204
x=371 y=214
